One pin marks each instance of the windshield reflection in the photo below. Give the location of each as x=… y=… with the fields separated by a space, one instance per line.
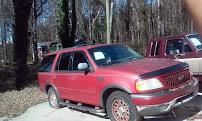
x=113 y=54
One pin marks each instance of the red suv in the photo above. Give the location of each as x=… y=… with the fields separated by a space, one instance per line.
x=115 y=79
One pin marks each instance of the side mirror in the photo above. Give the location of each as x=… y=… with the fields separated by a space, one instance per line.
x=82 y=66
x=178 y=56
x=174 y=52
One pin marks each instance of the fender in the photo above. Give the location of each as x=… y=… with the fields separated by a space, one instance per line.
x=112 y=86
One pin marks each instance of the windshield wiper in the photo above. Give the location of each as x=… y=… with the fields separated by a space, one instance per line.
x=132 y=58
x=112 y=62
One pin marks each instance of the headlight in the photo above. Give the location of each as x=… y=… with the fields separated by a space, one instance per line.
x=148 y=84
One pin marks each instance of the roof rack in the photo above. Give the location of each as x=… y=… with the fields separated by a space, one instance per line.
x=81 y=45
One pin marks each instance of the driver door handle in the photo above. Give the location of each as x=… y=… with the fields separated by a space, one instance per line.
x=73 y=77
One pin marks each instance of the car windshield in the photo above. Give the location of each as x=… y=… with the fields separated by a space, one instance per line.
x=113 y=54
x=196 y=40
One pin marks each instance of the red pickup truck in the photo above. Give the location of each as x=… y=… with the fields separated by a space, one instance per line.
x=116 y=80
x=184 y=47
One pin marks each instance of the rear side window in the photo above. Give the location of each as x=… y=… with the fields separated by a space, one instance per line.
x=47 y=63
x=155 y=49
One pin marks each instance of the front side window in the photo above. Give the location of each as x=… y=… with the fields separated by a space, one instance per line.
x=196 y=40
x=46 y=63
x=78 y=57
x=112 y=54
x=187 y=48
x=174 y=46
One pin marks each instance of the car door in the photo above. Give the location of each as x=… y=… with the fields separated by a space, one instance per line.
x=61 y=75
x=82 y=83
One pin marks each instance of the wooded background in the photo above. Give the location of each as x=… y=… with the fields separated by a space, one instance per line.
x=133 y=22
x=24 y=23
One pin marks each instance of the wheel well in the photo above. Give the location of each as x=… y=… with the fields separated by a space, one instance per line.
x=47 y=88
x=107 y=93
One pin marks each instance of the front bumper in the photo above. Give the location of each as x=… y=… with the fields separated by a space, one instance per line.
x=161 y=108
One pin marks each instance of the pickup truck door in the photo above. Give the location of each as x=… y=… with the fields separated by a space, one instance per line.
x=195 y=65
x=181 y=50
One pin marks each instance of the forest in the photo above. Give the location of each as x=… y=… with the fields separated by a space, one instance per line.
x=25 y=23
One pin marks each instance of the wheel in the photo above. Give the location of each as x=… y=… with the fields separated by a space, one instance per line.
x=53 y=98
x=120 y=107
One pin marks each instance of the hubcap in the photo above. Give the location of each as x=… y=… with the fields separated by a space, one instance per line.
x=53 y=99
x=120 y=110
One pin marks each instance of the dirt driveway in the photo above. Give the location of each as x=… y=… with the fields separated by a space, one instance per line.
x=42 y=112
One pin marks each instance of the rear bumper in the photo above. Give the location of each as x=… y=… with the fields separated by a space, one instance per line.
x=164 y=107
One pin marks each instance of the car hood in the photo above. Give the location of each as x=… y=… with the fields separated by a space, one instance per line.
x=147 y=67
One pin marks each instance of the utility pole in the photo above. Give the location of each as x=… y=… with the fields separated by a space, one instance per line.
x=108 y=21
x=111 y=17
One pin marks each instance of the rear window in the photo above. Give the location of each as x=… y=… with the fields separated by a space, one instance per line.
x=155 y=49
x=46 y=63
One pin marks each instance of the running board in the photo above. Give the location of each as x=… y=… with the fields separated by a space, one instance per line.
x=79 y=106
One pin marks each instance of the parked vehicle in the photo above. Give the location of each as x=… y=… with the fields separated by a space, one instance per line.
x=184 y=47
x=116 y=80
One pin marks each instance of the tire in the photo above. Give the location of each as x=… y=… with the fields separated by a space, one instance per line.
x=120 y=107
x=53 y=98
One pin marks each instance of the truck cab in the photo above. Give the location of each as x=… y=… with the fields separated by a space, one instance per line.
x=184 y=47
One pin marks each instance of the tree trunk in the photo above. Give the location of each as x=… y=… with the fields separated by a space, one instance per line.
x=73 y=28
x=80 y=22
x=90 y=19
x=35 y=49
x=22 y=9
x=4 y=42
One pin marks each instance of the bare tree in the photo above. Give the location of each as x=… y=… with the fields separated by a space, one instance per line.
x=6 y=20
x=37 y=10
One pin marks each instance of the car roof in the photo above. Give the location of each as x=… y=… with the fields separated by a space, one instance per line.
x=171 y=36
x=81 y=47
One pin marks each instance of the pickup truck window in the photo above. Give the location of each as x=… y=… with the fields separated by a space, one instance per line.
x=187 y=48
x=174 y=46
x=63 y=62
x=196 y=40
x=155 y=48
x=46 y=63
x=113 y=54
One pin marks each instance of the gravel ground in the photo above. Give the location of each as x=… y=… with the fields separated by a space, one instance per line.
x=14 y=103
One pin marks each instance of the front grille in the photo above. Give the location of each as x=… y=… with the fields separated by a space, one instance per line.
x=178 y=78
